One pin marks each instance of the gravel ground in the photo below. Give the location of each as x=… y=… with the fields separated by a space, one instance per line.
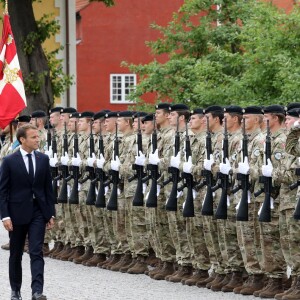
x=67 y=281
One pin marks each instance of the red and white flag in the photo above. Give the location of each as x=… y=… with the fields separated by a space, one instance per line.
x=12 y=92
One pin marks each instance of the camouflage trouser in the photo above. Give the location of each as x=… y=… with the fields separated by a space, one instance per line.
x=71 y=226
x=109 y=218
x=248 y=239
x=195 y=235
x=289 y=238
x=82 y=219
x=273 y=263
x=128 y=225
x=139 y=231
x=151 y=224
x=97 y=232
x=162 y=231
x=119 y=223
x=235 y=261
x=177 y=225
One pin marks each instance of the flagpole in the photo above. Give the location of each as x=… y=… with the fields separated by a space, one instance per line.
x=6 y=7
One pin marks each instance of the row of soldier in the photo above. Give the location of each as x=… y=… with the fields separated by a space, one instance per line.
x=173 y=188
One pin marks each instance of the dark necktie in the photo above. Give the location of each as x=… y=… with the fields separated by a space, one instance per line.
x=30 y=164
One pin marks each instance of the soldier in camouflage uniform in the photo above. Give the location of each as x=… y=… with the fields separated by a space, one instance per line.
x=289 y=226
x=39 y=119
x=194 y=225
x=248 y=231
x=163 y=240
x=273 y=263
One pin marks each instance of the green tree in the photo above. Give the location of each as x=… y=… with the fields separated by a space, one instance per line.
x=242 y=52
x=43 y=75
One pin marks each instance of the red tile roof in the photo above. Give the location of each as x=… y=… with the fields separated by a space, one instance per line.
x=80 y=4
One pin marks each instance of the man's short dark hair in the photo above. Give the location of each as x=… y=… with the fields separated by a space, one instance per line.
x=22 y=131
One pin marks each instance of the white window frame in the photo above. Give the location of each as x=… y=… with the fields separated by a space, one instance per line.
x=123 y=88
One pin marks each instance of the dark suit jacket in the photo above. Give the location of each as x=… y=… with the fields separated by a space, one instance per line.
x=16 y=189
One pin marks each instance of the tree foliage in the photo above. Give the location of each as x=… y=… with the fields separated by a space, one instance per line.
x=242 y=52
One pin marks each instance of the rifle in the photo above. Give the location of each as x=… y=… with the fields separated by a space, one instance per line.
x=74 y=199
x=242 y=213
x=91 y=196
x=265 y=213
x=113 y=200
x=292 y=187
x=138 y=199
x=221 y=212
x=171 y=204
x=64 y=172
x=54 y=170
x=100 y=176
x=188 y=209
x=208 y=203
x=152 y=196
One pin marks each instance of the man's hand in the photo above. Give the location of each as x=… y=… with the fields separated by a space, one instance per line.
x=8 y=225
x=50 y=224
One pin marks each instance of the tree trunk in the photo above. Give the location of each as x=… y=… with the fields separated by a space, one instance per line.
x=23 y=22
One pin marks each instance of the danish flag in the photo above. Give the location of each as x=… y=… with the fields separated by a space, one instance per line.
x=12 y=92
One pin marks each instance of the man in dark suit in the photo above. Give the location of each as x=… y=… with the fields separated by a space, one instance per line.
x=26 y=207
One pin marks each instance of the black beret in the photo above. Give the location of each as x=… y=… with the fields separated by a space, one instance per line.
x=274 y=109
x=111 y=114
x=139 y=114
x=56 y=109
x=253 y=110
x=178 y=107
x=293 y=105
x=68 y=110
x=38 y=114
x=233 y=109
x=100 y=114
x=162 y=106
x=213 y=108
x=23 y=118
x=125 y=114
x=294 y=112
x=197 y=111
x=86 y=114
x=74 y=115
x=148 y=117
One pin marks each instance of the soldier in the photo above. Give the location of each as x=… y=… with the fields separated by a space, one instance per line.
x=163 y=240
x=194 y=226
x=39 y=119
x=273 y=263
x=248 y=231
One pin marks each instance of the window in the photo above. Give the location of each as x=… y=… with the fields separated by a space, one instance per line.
x=121 y=85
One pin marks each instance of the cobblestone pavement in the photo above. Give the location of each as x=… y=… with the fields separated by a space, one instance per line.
x=67 y=281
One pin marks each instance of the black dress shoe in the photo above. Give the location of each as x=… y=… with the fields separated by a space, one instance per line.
x=38 y=296
x=15 y=295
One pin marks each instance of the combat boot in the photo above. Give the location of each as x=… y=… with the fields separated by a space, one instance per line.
x=5 y=246
x=115 y=259
x=46 y=250
x=289 y=291
x=186 y=272
x=295 y=291
x=96 y=258
x=274 y=287
x=108 y=260
x=255 y=285
x=199 y=275
x=177 y=270
x=126 y=268
x=125 y=261
x=155 y=270
x=204 y=282
x=218 y=279
x=140 y=267
x=59 y=248
x=246 y=283
x=66 y=249
x=217 y=287
x=167 y=269
x=85 y=257
x=235 y=281
x=67 y=254
x=152 y=260
x=77 y=253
